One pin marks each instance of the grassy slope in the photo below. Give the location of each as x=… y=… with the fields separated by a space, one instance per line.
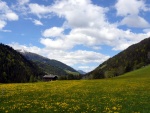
x=129 y=93
x=143 y=72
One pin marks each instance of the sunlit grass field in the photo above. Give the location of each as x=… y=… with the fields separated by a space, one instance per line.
x=129 y=93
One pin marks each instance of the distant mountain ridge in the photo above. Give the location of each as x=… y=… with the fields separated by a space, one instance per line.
x=14 y=67
x=81 y=72
x=134 y=57
x=48 y=65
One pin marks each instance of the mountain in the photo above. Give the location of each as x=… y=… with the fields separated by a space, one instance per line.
x=48 y=65
x=14 y=67
x=134 y=57
x=81 y=72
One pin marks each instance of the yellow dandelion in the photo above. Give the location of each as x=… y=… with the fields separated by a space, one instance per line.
x=114 y=108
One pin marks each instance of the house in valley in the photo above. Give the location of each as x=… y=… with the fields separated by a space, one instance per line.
x=50 y=77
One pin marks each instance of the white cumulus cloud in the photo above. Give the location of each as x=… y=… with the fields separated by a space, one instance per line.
x=53 y=32
x=92 y=28
x=39 y=9
x=80 y=13
x=37 y=22
x=6 y=14
x=2 y=24
x=11 y=16
x=23 y=2
x=132 y=7
x=130 y=10
x=135 y=21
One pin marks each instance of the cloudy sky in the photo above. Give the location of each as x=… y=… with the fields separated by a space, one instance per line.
x=80 y=33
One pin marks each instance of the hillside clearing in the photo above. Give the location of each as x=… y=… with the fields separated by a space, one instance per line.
x=129 y=93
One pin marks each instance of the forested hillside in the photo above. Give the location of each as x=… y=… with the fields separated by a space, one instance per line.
x=134 y=57
x=48 y=65
x=14 y=67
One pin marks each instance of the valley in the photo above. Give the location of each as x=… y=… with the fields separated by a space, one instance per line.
x=129 y=93
x=74 y=56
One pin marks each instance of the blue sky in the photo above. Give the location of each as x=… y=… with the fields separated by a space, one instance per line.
x=80 y=33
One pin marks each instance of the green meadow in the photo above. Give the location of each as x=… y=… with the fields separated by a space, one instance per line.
x=129 y=93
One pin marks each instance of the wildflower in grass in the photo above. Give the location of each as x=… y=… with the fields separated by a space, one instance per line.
x=75 y=108
x=75 y=96
x=107 y=108
x=64 y=105
x=57 y=103
x=93 y=109
x=114 y=108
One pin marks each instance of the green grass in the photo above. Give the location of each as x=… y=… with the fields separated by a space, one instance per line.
x=129 y=93
x=140 y=73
